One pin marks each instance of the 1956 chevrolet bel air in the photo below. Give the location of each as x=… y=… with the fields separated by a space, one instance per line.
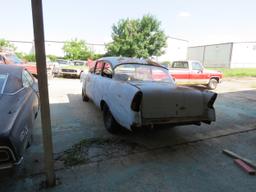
x=135 y=92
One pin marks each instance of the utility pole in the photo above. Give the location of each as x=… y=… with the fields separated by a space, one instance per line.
x=37 y=13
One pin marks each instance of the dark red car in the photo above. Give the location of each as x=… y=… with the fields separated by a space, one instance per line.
x=11 y=58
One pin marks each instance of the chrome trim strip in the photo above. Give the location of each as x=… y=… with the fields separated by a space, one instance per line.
x=6 y=166
x=19 y=162
x=14 y=93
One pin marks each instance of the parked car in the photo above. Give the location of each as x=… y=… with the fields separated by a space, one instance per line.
x=18 y=108
x=7 y=57
x=69 y=68
x=194 y=73
x=134 y=93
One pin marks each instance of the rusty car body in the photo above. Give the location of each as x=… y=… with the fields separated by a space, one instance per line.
x=18 y=110
x=135 y=93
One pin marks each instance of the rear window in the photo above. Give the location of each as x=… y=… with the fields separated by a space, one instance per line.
x=9 y=83
x=3 y=79
x=142 y=72
x=180 y=64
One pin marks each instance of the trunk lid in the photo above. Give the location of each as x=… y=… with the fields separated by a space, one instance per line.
x=163 y=100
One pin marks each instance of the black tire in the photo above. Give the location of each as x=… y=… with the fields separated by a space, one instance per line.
x=110 y=123
x=85 y=98
x=212 y=84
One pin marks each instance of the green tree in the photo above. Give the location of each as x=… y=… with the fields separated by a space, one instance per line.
x=29 y=57
x=6 y=44
x=52 y=57
x=137 y=38
x=76 y=49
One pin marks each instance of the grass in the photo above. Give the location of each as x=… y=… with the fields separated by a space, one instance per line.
x=76 y=156
x=241 y=72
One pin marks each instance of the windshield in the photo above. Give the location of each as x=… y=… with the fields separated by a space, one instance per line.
x=63 y=62
x=78 y=63
x=3 y=79
x=141 y=72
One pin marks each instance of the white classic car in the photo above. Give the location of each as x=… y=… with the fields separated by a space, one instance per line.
x=135 y=93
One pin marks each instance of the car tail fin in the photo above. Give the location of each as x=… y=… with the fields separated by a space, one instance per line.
x=212 y=100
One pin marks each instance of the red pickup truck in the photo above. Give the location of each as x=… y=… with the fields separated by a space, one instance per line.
x=193 y=73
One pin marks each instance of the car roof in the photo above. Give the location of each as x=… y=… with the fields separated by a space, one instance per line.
x=13 y=70
x=125 y=60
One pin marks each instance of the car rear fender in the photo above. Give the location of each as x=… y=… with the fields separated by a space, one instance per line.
x=119 y=98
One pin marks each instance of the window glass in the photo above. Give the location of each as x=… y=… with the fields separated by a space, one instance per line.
x=180 y=64
x=98 y=68
x=9 y=83
x=3 y=79
x=139 y=72
x=27 y=80
x=107 y=70
x=196 y=66
x=79 y=63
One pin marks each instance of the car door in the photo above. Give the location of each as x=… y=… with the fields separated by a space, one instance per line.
x=180 y=72
x=196 y=73
x=95 y=83
x=87 y=83
x=29 y=110
x=30 y=83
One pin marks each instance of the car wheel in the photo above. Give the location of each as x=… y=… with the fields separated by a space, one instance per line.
x=110 y=123
x=212 y=84
x=85 y=98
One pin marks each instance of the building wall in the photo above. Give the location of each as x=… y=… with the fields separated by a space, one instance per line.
x=53 y=47
x=24 y=47
x=196 y=53
x=244 y=55
x=217 y=55
x=176 y=50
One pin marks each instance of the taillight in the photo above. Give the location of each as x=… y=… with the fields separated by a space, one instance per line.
x=136 y=102
x=212 y=100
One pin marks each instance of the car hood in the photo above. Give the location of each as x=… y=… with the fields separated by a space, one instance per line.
x=162 y=100
x=9 y=107
x=72 y=67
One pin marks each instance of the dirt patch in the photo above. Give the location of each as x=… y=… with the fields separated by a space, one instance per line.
x=97 y=149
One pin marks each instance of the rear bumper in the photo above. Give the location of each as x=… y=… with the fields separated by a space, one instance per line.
x=174 y=120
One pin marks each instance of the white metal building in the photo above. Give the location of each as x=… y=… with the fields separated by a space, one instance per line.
x=176 y=50
x=53 y=47
x=228 y=55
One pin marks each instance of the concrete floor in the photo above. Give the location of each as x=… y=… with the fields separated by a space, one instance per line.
x=185 y=158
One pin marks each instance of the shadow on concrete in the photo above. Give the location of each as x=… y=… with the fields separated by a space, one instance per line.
x=75 y=120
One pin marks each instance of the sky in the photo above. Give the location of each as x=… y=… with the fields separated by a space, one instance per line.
x=198 y=21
